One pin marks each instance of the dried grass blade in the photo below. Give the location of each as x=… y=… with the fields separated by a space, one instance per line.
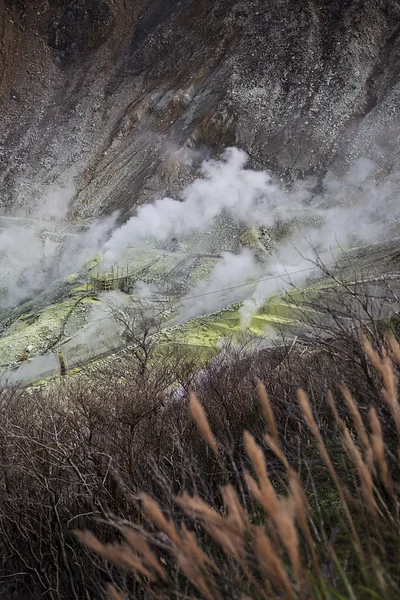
x=267 y=410
x=200 y=417
x=270 y=563
x=154 y=513
x=378 y=447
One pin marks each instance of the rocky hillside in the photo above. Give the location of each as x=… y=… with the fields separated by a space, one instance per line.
x=124 y=96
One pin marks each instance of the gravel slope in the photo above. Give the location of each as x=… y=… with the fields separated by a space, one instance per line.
x=126 y=96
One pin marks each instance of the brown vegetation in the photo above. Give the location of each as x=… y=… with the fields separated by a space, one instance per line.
x=272 y=535
x=188 y=507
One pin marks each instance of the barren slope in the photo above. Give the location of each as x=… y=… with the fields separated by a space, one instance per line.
x=107 y=91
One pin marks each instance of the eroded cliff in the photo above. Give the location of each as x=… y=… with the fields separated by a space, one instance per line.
x=121 y=95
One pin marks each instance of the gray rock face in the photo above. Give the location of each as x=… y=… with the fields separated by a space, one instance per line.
x=127 y=96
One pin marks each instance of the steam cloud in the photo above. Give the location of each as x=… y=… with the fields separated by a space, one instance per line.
x=349 y=210
x=31 y=254
x=226 y=186
x=346 y=209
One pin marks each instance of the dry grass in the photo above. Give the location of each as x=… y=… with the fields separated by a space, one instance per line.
x=275 y=545
x=177 y=503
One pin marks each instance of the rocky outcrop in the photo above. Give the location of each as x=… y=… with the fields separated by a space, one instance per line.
x=127 y=96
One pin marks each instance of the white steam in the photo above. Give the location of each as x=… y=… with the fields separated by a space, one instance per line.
x=226 y=284
x=54 y=202
x=346 y=210
x=349 y=210
x=78 y=249
x=226 y=186
x=37 y=249
x=44 y=365
x=255 y=199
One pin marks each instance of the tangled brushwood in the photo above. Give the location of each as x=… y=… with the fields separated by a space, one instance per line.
x=330 y=531
x=134 y=479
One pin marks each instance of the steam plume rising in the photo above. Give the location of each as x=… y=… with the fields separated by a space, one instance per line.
x=248 y=196
x=350 y=209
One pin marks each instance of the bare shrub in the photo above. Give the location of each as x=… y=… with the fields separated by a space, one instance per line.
x=79 y=455
x=282 y=546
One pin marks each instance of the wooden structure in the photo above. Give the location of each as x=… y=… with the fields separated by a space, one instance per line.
x=116 y=279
